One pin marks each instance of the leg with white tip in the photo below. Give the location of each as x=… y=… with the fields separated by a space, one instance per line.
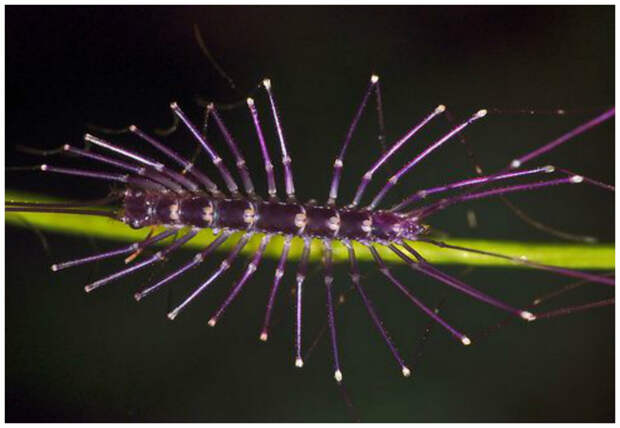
x=264 y=334
x=224 y=266
x=338 y=163
x=329 y=285
x=289 y=185
x=198 y=258
x=355 y=277
x=215 y=158
x=124 y=250
x=157 y=257
x=271 y=180
x=249 y=271
x=395 y=147
x=424 y=267
x=301 y=276
x=432 y=314
x=394 y=179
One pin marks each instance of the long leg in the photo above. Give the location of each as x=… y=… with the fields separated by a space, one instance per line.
x=355 y=277
x=432 y=314
x=240 y=160
x=198 y=258
x=512 y=207
x=124 y=250
x=329 y=286
x=421 y=194
x=187 y=165
x=338 y=164
x=271 y=181
x=289 y=184
x=444 y=203
x=521 y=261
x=300 y=278
x=264 y=334
x=215 y=158
x=131 y=180
x=224 y=266
x=159 y=256
x=424 y=267
x=394 y=179
x=249 y=271
x=395 y=147
x=516 y=163
x=146 y=172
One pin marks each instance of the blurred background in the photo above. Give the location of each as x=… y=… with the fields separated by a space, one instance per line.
x=102 y=357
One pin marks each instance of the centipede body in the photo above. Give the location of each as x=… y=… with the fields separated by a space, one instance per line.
x=287 y=114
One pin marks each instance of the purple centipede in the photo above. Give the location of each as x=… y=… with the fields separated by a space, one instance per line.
x=158 y=195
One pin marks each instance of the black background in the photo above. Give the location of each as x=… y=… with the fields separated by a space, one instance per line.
x=102 y=357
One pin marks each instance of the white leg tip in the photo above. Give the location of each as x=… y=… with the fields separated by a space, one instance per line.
x=212 y=322
x=89 y=288
x=528 y=316
x=263 y=336
x=576 y=179
x=299 y=363
x=440 y=108
x=481 y=113
x=137 y=296
x=465 y=340
x=250 y=101
x=515 y=164
x=338 y=376
x=54 y=268
x=267 y=83
x=172 y=315
x=406 y=371
x=374 y=78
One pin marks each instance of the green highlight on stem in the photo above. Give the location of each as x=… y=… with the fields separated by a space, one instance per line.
x=568 y=255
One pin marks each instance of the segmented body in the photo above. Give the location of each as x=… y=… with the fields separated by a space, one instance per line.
x=157 y=195
x=147 y=208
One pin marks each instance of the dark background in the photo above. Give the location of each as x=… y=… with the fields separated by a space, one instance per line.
x=102 y=357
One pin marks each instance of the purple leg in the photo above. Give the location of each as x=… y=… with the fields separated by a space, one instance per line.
x=424 y=267
x=215 y=158
x=198 y=258
x=301 y=276
x=564 y=138
x=591 y=181
x=286 y=159
x=329 y=280
x=394 y=179
x=355 y=277
x=159 y=256
x=123 y=178
x=384 y=158
x=249 y=271
x=188 y=166
x=224 y=266
x=432 y=314
x=421 y=194
x=241 y=165
x=333 y=190
x=521 y=261
x=107 y=145
x=444 y=203
x=271 y=181
x=124 y=250
x=274 y=288
x=146 y=172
